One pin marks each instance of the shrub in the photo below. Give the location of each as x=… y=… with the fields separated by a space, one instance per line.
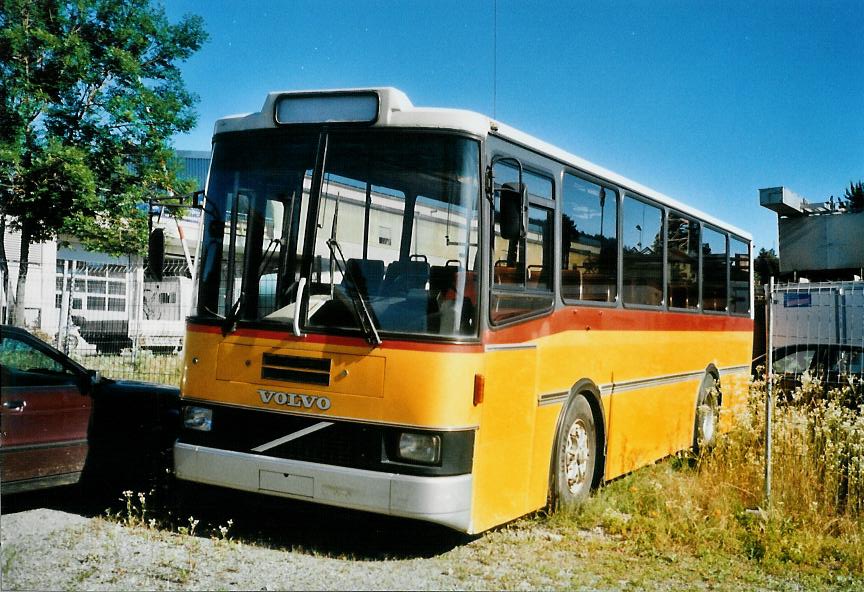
x=715 y=502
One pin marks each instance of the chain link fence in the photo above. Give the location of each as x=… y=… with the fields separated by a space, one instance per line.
x=116 y=319
x=817 y=329
x=815 y=405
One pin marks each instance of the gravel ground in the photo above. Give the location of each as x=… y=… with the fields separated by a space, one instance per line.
x=54 y=540
x=57 y=541
x=50 y=550
x=46 y=549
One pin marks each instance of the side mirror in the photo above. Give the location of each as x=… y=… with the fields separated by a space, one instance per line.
x=156 y=253
x=89 y=381
x=512 y=211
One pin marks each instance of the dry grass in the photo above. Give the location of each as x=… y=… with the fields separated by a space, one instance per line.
x=715 y=504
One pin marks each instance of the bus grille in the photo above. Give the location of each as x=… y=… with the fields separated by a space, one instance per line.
x=341 y=443
x=296 y=369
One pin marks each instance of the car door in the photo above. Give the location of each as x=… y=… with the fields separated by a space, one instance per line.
x=44 y=416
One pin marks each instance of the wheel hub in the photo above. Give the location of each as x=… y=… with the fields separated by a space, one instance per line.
x=708 y=423
x=577 y=454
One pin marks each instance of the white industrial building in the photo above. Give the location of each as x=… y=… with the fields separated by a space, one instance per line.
x=97 y=286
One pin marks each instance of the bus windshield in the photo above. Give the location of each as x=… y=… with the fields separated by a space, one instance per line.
x=390 y=238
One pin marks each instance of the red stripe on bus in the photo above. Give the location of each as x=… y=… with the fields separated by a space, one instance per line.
x=341 y=340
x=597 y=319
x=566 y=319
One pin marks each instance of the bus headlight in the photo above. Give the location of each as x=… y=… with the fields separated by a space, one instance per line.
x=420 y=448
x=198 y=418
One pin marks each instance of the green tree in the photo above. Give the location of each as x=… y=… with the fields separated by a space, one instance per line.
x=855 y=197
x=766 y=265
x=91 y=93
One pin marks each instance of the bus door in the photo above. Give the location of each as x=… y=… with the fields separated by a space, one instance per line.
x=503 y=460
x=521 y=260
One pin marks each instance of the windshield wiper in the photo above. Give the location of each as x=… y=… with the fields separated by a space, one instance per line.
x=268 y=254
x=229 y=324
x=360 y=305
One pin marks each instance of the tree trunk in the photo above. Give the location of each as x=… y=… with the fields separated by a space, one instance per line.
x=16 y=315
x=4 y=269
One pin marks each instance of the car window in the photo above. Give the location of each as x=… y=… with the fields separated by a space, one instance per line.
x=794 y=362
x=18 y=357
x=848 y=362
x=856 y=362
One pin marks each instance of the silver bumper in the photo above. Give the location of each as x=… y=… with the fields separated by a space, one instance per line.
x=443 y=500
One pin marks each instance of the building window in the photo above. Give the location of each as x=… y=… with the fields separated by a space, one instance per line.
x=96 y=286
x=95 y=303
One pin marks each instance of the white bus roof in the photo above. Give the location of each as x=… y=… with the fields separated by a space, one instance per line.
x=396 y=110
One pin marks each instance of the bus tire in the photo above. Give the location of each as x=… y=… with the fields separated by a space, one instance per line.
x=707 y=414
x=575 y=455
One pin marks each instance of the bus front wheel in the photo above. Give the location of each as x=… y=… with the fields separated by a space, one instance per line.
x=575 y=455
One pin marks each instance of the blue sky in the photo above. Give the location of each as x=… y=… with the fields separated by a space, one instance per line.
x=704 y=101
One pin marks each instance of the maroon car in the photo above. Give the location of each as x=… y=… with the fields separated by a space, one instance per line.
x=60 y=421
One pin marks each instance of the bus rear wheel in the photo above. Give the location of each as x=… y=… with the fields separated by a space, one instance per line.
x=707 y=415
x=575 y=455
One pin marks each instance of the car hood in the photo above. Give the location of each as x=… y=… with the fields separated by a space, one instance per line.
x=137 y=387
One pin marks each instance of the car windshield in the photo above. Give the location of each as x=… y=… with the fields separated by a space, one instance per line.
x=794 y=361
x=394 y=231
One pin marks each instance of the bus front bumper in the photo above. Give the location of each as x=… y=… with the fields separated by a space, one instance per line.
x=442 y=500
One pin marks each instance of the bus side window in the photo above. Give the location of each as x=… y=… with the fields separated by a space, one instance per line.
x=643 y=252
x=714 y=270
x=589 y=241
x=522 y=267
x=506 y=258
x=539 y=252
x=739 y=276
x=682 y=258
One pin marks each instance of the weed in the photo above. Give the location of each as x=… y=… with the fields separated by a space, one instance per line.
x=189 y=530
x=8 y=557
x=91 y=566
x=221 y=532
x=133 y=514
x=713 y=503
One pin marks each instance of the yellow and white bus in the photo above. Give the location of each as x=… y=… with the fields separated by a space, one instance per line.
x=429 y=314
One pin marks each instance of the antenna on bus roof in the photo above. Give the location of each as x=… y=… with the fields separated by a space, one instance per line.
x=494 y=57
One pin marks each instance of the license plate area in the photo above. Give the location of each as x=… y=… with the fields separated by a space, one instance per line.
x=286 y=483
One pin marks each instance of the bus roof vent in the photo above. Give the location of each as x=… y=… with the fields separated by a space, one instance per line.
x=392 y=100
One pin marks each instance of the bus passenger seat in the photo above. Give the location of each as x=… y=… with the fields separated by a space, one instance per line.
x=507 y=275
x=368 y=273
x=402 y=276
x=442 y=281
